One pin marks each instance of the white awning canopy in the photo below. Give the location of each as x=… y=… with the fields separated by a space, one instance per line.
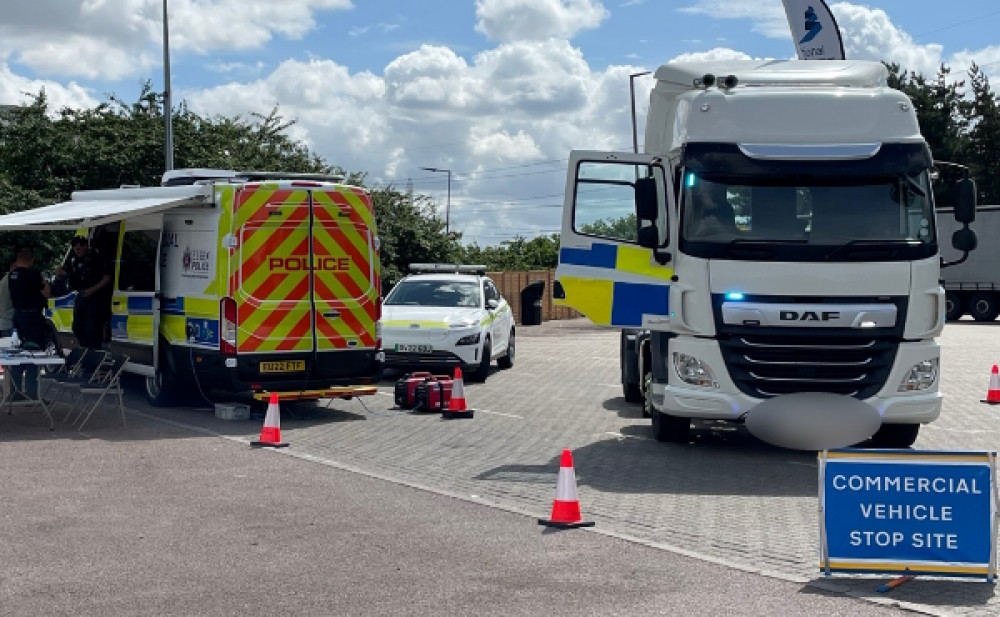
x=94 y=208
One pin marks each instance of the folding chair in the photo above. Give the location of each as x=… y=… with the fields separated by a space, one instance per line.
x=69 y=370
x=92 y=367
x=111 y=382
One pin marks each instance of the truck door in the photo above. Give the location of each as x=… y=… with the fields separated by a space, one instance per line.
x=614 y=258
x=345 y=276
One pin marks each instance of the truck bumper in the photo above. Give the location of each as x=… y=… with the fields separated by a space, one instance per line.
x=727 y=402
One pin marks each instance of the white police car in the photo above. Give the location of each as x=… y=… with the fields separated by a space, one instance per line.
x=445 y=316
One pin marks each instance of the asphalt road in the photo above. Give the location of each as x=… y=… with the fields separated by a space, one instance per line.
x=156 y=519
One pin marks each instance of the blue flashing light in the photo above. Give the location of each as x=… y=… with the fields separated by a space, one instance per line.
x=734 y=296
x=690 y=180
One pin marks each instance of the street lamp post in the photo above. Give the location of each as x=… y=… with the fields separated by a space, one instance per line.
x=168 y=126
x=631 y=87
x=447 y=208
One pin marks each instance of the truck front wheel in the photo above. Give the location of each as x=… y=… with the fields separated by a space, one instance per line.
x=670 y=429
x=983 y=306
x=895 y=435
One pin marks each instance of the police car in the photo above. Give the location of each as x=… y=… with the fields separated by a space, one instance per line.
x=444 y=316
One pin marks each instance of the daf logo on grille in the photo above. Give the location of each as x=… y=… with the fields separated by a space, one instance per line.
x=414 y=325
x=808 y=315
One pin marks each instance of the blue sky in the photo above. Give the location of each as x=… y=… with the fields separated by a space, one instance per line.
x=498 y=91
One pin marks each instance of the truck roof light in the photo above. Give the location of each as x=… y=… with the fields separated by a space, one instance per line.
x=730 y=82
x=705 y=81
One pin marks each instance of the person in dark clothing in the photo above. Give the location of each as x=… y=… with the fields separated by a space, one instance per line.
x=90 y=278
x=60 y=283
x=29 y=294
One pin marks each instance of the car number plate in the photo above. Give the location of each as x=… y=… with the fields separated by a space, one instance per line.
x=283 y=366
x=415 y=348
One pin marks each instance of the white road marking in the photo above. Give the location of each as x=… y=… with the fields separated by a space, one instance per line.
x=960 y=430
x=621 y=436
x=499 y=413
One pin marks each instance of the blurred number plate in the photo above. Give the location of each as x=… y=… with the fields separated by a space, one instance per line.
x=284 y=366
x=416 y=348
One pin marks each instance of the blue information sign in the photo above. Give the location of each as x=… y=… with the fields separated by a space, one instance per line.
x=897 y=511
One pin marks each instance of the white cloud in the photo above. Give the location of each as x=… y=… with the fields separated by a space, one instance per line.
x=15 y=89
x=112 y=39
x=768 y=16
x=520 y=20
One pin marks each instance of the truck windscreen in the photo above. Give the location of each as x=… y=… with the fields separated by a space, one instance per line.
x=877 y=209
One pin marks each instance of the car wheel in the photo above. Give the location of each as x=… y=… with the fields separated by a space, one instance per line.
x=895 y=436
x=160 y=389
x=670 y=429
x=954 y=308
x=507 y=360
x=983 y=306
x=483 y=371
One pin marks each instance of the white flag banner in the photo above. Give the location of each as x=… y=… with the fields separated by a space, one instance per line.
x=814 y=30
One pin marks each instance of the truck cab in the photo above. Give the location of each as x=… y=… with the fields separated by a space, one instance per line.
x=784 y=241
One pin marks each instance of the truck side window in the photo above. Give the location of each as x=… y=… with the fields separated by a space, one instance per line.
x=604 y=203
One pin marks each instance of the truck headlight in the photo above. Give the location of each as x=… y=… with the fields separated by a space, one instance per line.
x=921 y=376
x=693 y=371
x=469 y=339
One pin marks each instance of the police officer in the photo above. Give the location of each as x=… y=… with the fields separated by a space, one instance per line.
x=89 y=277
x=29 y=294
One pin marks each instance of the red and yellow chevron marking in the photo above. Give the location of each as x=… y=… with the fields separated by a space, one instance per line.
x=271 y=277
x=342 y=221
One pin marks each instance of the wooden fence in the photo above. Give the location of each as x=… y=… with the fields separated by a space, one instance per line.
x=511 y=283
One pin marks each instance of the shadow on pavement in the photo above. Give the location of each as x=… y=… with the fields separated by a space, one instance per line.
x=938 y=592
x=718 y=461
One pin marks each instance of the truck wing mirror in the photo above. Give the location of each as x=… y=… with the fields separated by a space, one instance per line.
x=965 y=207
x=964 y=239
x=646 y=202
x=649 y=237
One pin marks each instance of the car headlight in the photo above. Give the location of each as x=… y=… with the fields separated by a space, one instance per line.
x=921 y=376
x=693 y=371
x=469 y=339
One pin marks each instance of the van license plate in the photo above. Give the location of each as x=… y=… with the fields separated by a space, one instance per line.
x=283 y=366
x=415 y=348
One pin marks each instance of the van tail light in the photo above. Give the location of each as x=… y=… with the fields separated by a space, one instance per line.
x=227 y=328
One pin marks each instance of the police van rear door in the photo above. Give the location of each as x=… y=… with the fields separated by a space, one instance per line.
x=346 y=270
x=272 y=286
x=307 y=277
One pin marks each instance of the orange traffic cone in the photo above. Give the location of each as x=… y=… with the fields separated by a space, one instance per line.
x=993 y=394
x=270 y=435
x=456 y=406
x=566 y=507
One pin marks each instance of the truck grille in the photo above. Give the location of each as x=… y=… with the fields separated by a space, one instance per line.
x=764 y=366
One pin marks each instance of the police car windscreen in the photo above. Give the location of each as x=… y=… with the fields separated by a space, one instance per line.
x=435 y=293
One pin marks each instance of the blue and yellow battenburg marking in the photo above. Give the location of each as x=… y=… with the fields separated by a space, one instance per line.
x=586 y=280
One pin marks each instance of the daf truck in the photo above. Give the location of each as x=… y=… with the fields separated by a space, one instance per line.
x=785 y=242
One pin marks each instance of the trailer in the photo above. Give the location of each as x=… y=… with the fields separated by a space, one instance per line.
x=972 y=287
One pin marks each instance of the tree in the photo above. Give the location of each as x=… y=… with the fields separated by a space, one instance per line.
x=984 y=136
x=539 y=253
x=409 y=232
x=624 y=228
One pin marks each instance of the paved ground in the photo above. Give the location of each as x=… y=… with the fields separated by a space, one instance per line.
x=725 y=499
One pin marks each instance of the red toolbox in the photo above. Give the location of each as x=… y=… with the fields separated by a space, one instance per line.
x=406 y=386
x=434 y=394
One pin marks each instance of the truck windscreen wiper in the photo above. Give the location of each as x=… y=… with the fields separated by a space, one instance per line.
x=759 y=247
x=888 y=245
